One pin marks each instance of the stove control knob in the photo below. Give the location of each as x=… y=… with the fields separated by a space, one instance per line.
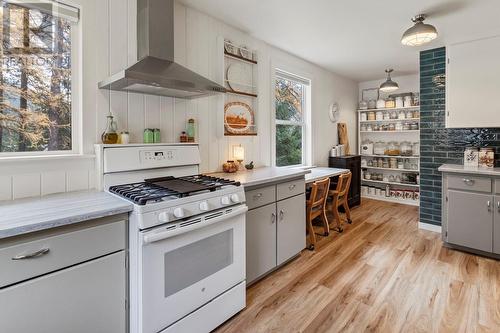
x=179 y=212
x=204 y=206
x=235 y=198
x=225 y=201
x=163 y=217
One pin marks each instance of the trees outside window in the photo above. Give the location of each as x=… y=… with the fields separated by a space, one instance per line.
x=35 y=80
x=290 y=105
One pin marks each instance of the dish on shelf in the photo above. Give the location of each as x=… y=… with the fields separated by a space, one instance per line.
x=229 y=47
x=239 y=77
x=245 y=52
x=238 y=118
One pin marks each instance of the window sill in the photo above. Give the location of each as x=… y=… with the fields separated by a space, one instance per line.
x=45 y=157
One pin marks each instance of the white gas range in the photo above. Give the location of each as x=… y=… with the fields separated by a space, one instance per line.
x=186 y=237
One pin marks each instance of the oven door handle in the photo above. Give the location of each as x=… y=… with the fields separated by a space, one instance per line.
x=161 y=235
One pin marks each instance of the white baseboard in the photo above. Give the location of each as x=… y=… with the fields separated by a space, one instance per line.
x=429 y=227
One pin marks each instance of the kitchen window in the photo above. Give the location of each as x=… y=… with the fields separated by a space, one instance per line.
x=291 y=119
x=38 y=86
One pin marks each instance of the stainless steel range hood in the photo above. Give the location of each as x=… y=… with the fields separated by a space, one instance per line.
x=156 y=72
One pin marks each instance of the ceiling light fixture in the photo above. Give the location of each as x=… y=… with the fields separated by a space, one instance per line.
x=420 y=33
x=389 y=85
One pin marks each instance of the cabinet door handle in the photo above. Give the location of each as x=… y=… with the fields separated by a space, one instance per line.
x=273 y=218
x=489 y=205
x=468 y=181
x=282 y=213
x=291 y=187
x=257 y=196
x=36 y=254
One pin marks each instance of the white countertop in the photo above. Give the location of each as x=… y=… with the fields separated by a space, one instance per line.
x=259 y=176
x=27 y=215
x=459 y=168
x=318 y=173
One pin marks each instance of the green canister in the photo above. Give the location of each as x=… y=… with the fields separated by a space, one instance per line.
x=148 y=135
x=156 y=135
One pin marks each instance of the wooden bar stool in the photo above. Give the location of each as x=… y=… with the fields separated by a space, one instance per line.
x=340 y=196
x=316 y=206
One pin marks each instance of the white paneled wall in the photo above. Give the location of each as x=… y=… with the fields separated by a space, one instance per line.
x=109 y=45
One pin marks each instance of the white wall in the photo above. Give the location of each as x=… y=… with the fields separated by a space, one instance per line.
x=109 y=44
x=407 y=83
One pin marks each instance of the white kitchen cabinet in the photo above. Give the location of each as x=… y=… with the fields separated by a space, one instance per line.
x=496 y=226
x=472 y=84
x=291 y=227
x=89 y=297
x=261 y=241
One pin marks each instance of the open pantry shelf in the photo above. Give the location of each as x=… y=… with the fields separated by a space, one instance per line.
x=410 y=202
x=391 y=169
x=397 y=156
x=391 y=109
x=407 y=131
x=388 y=120
x=390 y=183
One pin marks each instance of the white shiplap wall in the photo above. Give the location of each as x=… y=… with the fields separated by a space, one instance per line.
x=109 y=44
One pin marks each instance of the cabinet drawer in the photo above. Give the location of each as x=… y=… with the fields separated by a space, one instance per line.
x=59 y=251
x=470 y=183
x=497 y=186
x=260 y=197
x=290 y=189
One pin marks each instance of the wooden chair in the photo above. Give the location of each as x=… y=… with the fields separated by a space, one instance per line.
x=340 y=195
x=316 y=206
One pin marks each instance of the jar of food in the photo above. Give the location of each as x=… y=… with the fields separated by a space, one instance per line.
x=416 y=114
x=390 y=103
x=109 y=136
x=416 y=148
x=376 y=127
x=364 y=163
x=371 y=115
x=366 y=147
x=385 y=163
x=407 y=164
x=392 y=149
x=392 y=127
x=399 y=126
x=406 y=148
x=387 y=116
x=416 y=99
x=394 y=115
x=367 y=175
x=363 y=105
x=369 y=128
x=379 y=115
x=391 y=178
x=399 y=102
x=414 y=126
x=409 y=114
x=393 y=163
x=401 y=164
x=379 y=148
x=362 y=116
x=408 y=101
x=362 y=128
x=406 y=126
x=380 y=162
x=401 y=115
x=370 y=163
x=380 y=103
x=230 y=167
x=372 y=104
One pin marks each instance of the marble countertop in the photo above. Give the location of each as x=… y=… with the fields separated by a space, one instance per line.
x=259 y=176
x=322 y=172
x=459 y=168
x=28 y=215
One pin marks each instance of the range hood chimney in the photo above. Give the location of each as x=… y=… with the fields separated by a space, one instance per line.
x=156 y=72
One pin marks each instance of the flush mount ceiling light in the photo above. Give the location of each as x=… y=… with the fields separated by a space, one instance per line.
x=389 y=85
x=420 y=33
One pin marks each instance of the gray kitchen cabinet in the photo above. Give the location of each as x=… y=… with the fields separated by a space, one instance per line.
x=261 y=241
x=275 y=226
x=496 y=226
x=89 y=297
x=291 y=227
x=65 y=279
x=470 y=220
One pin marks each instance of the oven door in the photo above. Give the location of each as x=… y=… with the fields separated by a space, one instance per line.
x=185 y=267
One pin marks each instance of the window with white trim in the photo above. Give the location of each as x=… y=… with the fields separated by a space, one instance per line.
x=37 y=76
x=291 y=119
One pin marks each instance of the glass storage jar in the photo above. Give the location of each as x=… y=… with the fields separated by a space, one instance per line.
x=399 y=126
x=379 y=115
x=406 y=148
x=392 y=149
x=370 y=115
x=380 y=162
x=409 y=114
x=392 y=127
x=414 y=126
x=416 y=148
x=394 y=115
x=387 y=116
x=416 y=114
x=390 y=103
x=379 y=148
x=367 y=175
x=362 y=116
x=393 y=163
x=362 y=128
x=406 y=126
x=401 y=115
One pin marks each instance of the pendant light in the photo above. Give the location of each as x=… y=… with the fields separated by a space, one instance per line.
x=389 y=85
x=420 y=33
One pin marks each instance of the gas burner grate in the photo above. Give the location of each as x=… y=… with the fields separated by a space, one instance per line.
x=158 y=189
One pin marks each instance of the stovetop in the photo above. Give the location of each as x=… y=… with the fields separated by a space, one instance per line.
x=169 y=188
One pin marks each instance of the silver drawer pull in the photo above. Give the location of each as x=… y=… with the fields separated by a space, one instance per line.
x=282 y=213
x=488 y=203
x=257 y=196
x=273 y=218
x=468 y=181
x=498 y=205
x=36 y=254
x=291 y=187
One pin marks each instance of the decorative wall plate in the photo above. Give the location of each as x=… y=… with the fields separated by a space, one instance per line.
x=238 y=118
x=239 y=77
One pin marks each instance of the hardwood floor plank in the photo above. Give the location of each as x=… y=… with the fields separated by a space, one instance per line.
x=382 y=274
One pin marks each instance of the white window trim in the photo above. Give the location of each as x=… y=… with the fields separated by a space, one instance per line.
x=76 y=101
x=306 y=119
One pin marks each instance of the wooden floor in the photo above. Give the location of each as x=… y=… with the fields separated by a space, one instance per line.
x=381 y=275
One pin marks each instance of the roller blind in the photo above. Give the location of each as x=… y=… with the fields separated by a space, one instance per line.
x=54 y=8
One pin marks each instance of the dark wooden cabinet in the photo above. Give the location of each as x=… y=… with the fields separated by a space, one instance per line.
x=353 y=163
